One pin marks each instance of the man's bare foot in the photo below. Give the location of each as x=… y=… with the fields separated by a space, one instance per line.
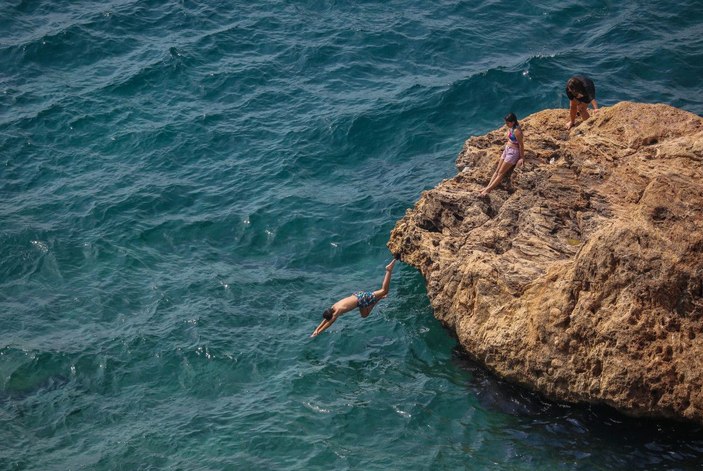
x=484 y=192
x=389 y=267
x=570 y=125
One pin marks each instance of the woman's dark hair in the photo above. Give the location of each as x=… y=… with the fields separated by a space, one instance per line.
x=328 y=313
x=575 y=86
x=511 y=118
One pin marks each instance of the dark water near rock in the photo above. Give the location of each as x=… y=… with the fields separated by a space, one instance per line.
x=186 y=186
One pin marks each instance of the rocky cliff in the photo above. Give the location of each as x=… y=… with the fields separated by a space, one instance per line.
x=584 y=281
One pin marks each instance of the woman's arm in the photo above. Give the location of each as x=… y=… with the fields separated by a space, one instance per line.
x=521 y=146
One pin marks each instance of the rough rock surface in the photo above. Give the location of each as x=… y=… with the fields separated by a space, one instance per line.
x=585 y=280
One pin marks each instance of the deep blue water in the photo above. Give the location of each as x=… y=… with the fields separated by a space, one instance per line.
x=186 y=186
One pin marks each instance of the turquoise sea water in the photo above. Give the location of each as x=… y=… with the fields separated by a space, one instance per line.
x=187 y=185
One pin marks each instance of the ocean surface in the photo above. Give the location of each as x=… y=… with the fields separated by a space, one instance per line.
x=186 y=185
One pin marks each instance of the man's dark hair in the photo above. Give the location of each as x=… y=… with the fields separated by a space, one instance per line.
x=328 y=313
x=574 y=85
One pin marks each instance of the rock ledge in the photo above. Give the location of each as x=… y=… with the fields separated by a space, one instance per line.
x=585 y=281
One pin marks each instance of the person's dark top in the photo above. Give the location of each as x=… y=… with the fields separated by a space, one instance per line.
x=588 y=85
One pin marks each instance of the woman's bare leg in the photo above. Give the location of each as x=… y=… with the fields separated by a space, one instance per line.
x=504 y=167
x=495 y=173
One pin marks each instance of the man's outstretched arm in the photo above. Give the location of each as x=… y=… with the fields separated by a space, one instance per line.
x=324 y=325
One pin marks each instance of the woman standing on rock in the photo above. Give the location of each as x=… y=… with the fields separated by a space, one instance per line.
x=581 y=92
x=513 y=154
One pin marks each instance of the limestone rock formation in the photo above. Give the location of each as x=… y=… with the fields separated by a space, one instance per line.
x=584 y=281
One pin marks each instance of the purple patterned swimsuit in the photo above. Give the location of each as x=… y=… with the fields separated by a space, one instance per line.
x=511 y=153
